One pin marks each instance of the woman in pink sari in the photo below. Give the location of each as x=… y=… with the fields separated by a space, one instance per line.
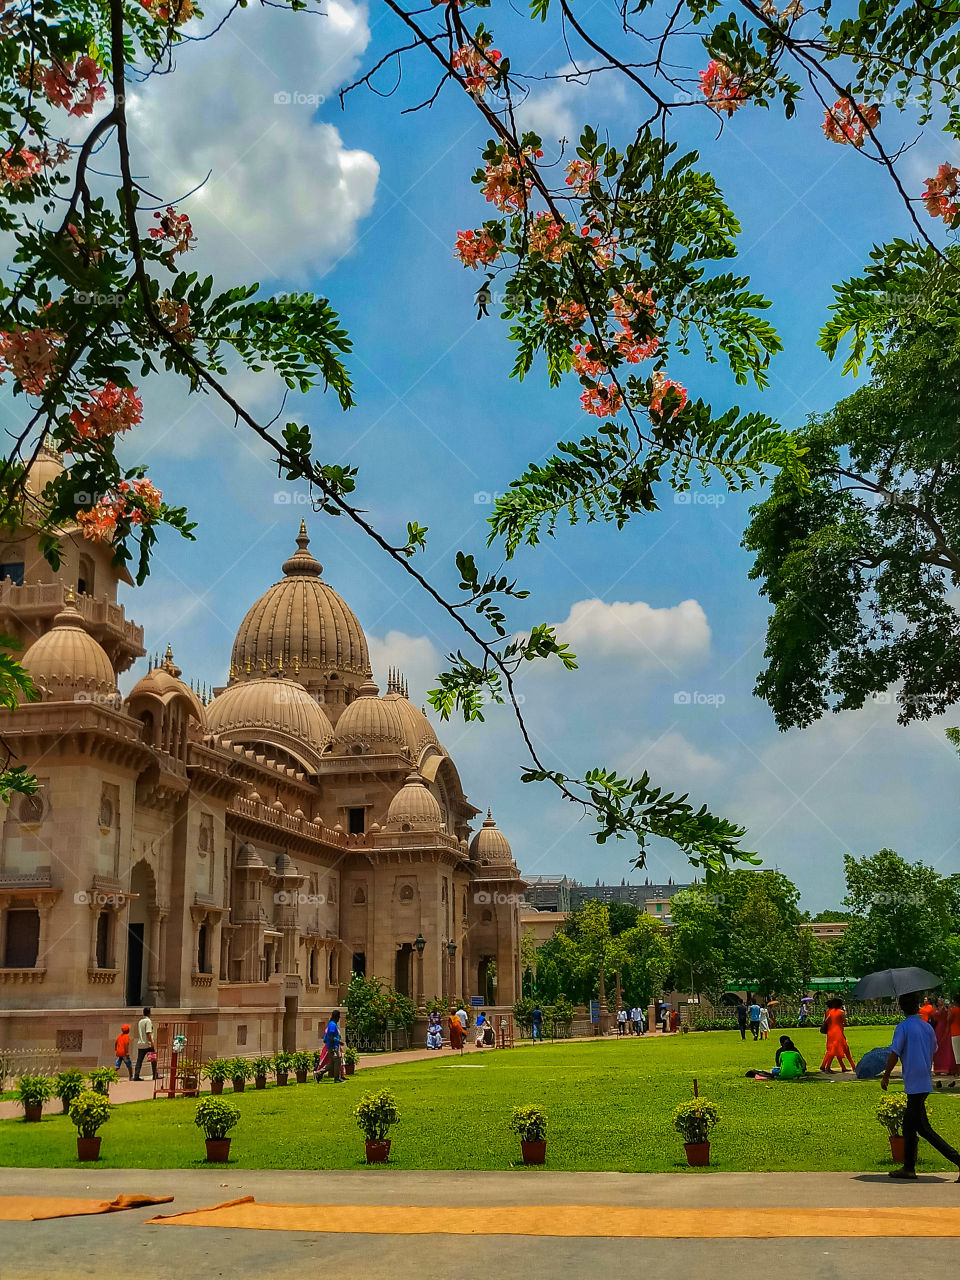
x=944 y=1063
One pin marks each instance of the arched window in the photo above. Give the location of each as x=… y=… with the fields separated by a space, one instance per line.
x=22 y=943
x=85 y=577
x=202 y=958
x=103 y=940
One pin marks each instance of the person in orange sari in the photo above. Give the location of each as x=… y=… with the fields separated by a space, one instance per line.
x=457 y=1033
x=927 y=1009
x=834 y=1025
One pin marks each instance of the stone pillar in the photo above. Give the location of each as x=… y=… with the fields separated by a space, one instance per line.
x=43 y=908
x=155 y=957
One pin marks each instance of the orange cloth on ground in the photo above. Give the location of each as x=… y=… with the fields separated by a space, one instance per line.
x=122 y=1045
x=35 y=1208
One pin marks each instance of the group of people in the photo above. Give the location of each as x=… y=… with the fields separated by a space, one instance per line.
x=459 y=1023
x=146 y=1049
x=631 y=1022
x=945 y=1020
x=760 y=1017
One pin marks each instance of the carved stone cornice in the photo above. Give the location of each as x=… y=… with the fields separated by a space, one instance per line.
x=103 y=977
x=22 y=976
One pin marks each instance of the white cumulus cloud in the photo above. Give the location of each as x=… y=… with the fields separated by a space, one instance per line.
x=637 y=631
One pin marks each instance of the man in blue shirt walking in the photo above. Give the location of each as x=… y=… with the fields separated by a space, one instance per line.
x=915 y=1043
x=332 y=1041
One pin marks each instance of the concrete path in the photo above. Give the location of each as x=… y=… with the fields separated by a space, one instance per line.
x=72 y=1248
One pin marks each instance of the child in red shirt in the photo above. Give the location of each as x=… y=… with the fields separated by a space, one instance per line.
x=122 y=1047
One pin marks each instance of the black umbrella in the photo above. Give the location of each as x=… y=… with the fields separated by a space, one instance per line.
x=894 y=982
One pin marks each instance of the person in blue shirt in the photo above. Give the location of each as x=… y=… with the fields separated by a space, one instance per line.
x=537 y=1019
x=914 y=1044
x=333 y=1042
x=754 y=1019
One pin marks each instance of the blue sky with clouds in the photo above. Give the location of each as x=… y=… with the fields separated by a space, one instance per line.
x=363 y=205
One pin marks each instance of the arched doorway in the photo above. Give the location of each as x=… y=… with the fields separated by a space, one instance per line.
x=487 y=979
x=144 y=886
x=404 y=960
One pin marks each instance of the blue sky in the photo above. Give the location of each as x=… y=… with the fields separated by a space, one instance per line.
x=363 y=205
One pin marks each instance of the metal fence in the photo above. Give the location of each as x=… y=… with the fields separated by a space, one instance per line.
x=15 y=1063
x=389 y=1041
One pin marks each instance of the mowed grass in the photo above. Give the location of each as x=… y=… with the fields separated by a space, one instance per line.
x=609 y=1105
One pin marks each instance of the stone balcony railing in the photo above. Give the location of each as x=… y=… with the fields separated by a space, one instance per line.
x=284 y=821
x=103 y=617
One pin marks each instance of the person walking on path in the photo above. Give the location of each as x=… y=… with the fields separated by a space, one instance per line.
x=621 y=1022
x=834 y=1024
x=764 y=1022
x=145 y=1045
x=537 y=1019
x=742 y=1019
x=914 y=1044
x=122 y=1047
x=955 y=1031
x=332 y=1043
x=755 y=1019
x=944 y=1063
x=636 y=1015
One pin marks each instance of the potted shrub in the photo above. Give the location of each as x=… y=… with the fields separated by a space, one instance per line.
x=216 y=1117
x=261 y=1068
x=302 y=1062
x=375 y=1113
x=693 y=1120
x=216 y=1071
x=188 y=1073
x=890 y=1112
x=32 y=1092
x=67 y=1085
x=240 y=1072
x=350 y=1060
x=530 y=1126
x=282 y=1062
x=89 y=1110
x=101 y=1078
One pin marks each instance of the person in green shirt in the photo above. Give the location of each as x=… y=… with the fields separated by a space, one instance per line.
x=790 y=1063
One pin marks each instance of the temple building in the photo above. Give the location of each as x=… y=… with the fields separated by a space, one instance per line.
x=231 y=860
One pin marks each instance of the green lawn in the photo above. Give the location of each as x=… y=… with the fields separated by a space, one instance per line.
x=608 y=1104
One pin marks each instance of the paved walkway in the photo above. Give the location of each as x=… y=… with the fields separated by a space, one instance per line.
x=72 y=1248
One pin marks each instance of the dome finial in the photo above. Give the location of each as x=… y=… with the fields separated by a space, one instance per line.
x=302 y=564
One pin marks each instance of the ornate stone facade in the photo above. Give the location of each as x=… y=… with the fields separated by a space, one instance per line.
x=233 y=860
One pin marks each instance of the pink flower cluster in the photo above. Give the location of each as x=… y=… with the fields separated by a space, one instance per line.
x=20 y=167
x=507 y=185
x=661 y=386
x=100 y=521
x=843 y=124
x=939 y=193
x=580 y=175
x=476 y=248
x=722 y=88
x=478 y=66
x=107 y=413
x=173 y=11
x=31 y=356
x=601 y=401
x=546 y=237
x=76 y=88
x=626 y=308
x=175 y=228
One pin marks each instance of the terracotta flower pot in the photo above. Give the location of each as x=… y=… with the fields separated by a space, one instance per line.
x=897 y=1147
x=301 y=1077
x=88 y=1148
x=281 y=1078
x=698 y=1154
x=33 y=1111
x=218 y=1150
x=350 y=1068
x=238 y=1084
x=216 y=1087
x=377 y=1152
x=259 y=1082
x=533 y=1152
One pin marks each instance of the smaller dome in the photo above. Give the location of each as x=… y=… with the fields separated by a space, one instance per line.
x=247 y=856
x=163 y=682
x=66 y=662
x=414 y=808
x=278 y=712
x=490 y=844
x=369 y=721
x=417 y=729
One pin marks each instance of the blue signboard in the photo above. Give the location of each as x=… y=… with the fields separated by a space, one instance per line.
x=594 y=1010
x=476 y=1002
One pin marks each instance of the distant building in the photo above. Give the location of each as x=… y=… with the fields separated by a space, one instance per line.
x=652 y=898
x=827 y=930
x=548 y=893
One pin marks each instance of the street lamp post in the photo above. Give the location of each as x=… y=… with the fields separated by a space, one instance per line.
x=419 y=943
x=452 y=953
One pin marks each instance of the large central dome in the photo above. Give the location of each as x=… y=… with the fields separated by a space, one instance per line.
x=301 y=629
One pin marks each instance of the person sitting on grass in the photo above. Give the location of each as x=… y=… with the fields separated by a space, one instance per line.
x=790 y=1062
x=914 y=1044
